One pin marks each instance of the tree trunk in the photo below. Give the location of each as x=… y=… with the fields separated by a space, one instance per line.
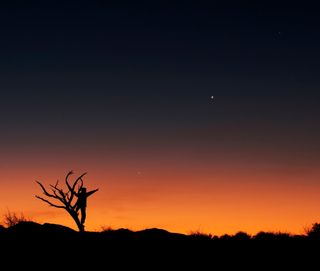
x=76 y=219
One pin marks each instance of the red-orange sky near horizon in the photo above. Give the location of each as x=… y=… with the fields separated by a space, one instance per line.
x=214 y=199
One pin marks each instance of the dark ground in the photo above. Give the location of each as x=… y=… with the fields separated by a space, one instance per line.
x=51 y=246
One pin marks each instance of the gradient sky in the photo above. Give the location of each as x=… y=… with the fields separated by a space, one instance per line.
x=122 y=91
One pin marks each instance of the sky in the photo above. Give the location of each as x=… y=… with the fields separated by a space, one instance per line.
x=188 y=116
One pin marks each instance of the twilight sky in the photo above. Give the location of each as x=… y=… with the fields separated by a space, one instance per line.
x=122 y=91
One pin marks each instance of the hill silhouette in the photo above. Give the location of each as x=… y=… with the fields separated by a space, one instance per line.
x=158 y=247
x=32 y=230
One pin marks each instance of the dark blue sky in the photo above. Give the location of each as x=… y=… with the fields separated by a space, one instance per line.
x=142 y=74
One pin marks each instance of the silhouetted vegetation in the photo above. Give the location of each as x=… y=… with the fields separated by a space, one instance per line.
x=200 y=235
x=314 y=231
x=12 y=218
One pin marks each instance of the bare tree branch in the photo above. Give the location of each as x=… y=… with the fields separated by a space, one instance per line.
x=66 y=179
x=45 y=191
x=50 y=203
x=72 y=188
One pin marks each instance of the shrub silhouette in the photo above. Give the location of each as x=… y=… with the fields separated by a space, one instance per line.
x=12 y=219
x=241 y=236
x=314 y=231
x=72 y=200
x=198 y=235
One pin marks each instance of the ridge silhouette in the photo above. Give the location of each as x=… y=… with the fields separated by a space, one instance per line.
x=147 y=248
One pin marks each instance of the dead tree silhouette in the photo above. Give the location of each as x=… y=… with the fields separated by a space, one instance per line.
x=67 y=198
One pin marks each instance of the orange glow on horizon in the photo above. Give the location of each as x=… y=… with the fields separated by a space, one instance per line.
x=215 y=202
